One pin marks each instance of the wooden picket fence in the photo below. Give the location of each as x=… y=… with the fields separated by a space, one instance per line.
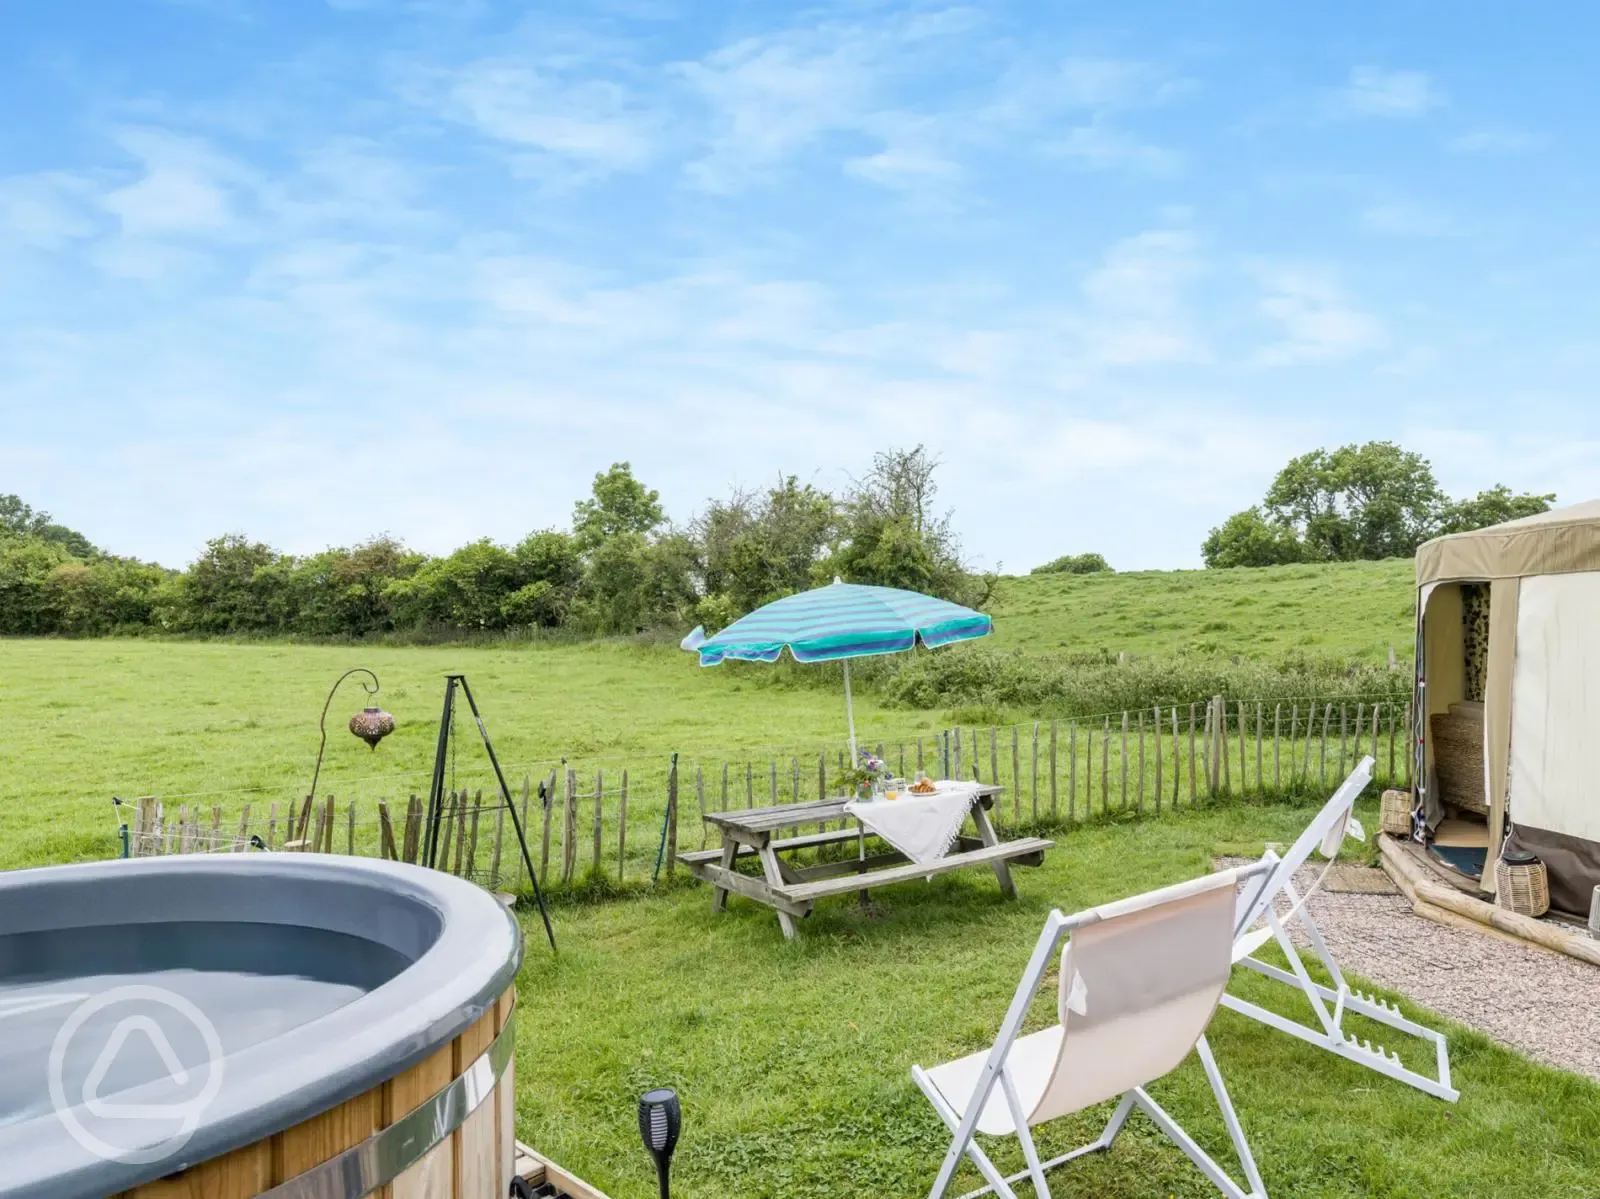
x=1056 y=772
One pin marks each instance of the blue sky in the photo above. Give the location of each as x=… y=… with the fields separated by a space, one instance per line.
x=316 y=269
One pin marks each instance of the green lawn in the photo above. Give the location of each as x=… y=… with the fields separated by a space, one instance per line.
x=231 y=723
x=1347 y=609
x=793 y=1059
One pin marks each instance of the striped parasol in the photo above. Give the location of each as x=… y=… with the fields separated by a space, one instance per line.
x=840 y=622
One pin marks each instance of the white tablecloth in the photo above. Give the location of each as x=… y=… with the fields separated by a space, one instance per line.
x=923 y=827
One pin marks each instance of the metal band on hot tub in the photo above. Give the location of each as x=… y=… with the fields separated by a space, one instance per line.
x=386 y=1155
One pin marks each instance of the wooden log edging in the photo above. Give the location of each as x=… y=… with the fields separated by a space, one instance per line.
x=1456 y=909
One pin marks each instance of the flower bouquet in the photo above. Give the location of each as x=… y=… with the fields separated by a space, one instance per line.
x=867 y=776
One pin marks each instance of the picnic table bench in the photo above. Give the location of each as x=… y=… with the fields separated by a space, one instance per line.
x=792 y=890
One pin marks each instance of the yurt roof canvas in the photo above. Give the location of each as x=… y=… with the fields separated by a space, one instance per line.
x=1542 y=687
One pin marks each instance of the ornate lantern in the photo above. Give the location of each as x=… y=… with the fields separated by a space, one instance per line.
x=372 y=725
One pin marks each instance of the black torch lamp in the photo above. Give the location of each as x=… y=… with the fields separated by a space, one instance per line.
x=660 y=1118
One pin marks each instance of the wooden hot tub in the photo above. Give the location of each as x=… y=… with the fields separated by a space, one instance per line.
x=295 y=1026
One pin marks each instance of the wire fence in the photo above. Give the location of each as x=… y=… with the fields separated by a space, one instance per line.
x=620 y=822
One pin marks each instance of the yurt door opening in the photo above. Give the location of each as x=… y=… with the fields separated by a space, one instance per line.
x=1452 y=673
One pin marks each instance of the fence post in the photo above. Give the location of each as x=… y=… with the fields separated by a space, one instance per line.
x=599 y=799
x=1322 y=767
x=1105 y=767
x=1177 y=776
x=1052 y=770
x=569 y=828
x=1409 y=720
x=1225 y=746
x=1194 y=790
x=956 y=761
x=1261 y=783
x=1158 y=758
x=1122 y=768
x=622 y=826
x=1072 y=771
x=1277 y=728
x=1033 y=787
x=1140 y=800
x=1016 y=776
x=994 y=755
x=672 y=818
x=1244 y=750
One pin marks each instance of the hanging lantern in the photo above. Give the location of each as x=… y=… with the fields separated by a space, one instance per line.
x=372 y=725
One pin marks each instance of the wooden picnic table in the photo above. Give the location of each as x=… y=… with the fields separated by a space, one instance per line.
x=792 y=890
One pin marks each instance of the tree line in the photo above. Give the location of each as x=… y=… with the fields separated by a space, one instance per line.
x=621 y=567
x=1355 y=503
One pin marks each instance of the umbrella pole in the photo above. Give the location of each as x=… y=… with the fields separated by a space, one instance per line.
x=850 y=715
x=855 y=764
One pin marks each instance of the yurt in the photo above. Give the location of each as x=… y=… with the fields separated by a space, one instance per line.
x=1508 y=698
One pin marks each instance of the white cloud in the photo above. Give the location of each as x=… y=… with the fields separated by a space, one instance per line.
x=45 y=210
x=1378 y=92
x=1317 y=322
x=1408 y=218
x=1138 y=301
x=772 y=96
x=594 y=121
x=1097 y=146
x=184 y=187
x=1498 y=139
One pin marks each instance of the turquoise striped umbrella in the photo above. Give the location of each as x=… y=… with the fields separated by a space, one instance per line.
x=840 y=622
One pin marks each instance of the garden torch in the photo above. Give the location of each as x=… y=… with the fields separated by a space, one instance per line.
x=660 y=1117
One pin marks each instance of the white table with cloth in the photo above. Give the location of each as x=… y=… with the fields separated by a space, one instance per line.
x=923 y=826
x=922 y=833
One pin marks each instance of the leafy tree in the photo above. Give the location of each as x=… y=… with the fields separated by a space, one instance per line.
x=1490 y=507
x=19 y=520
x=756 y=549
x=27 y=606
x=619 y=504
x=549 y=569
x=465 y=590
x=891 y=533
x=1074 y=564
x=1249 y=539
x=1357 y=502
x=236 y=586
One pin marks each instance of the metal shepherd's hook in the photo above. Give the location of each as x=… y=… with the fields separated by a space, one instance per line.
x=372 y=690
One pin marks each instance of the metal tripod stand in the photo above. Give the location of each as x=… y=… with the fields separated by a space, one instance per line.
x=430 y=851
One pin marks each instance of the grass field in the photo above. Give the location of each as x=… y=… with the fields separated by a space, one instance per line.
x=793 y=1059
x=227 y=722
x=1347 y=609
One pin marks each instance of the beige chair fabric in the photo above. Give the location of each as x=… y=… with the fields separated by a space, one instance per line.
x=1137 y=990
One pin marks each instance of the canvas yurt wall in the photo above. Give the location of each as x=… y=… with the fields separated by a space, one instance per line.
x=1534 y=586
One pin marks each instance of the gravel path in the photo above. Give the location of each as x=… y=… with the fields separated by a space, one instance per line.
x=1542 y=1003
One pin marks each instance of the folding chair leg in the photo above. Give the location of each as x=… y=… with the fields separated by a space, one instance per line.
x=947 y=1169
x=1192 y=1149
x=1331 y=1035
x=1041 y=1189
x=1114 y=1125
x=1241 y=1147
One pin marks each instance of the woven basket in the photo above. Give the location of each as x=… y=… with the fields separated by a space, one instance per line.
x=1523 y=886
x=1394 y=816
x=1458 y=757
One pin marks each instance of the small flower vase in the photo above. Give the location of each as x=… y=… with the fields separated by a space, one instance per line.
x=863 y=790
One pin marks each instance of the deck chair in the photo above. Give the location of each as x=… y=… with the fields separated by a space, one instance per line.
x=1140 y=980
x=1257 y=923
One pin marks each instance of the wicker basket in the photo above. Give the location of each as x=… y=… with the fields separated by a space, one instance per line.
x=1522 y=884
x=1394 y=816
x=1458 y=756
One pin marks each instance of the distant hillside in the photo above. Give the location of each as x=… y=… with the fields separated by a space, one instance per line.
x=1350 y=609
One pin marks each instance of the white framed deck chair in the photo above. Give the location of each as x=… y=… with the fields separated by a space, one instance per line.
x=1140 y=980
x=1257 y=923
